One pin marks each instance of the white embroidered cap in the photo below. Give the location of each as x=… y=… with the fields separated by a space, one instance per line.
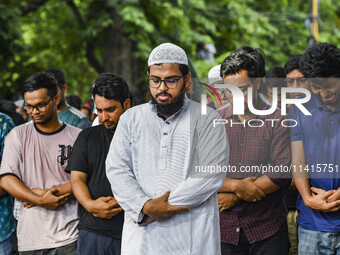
x=167 y=53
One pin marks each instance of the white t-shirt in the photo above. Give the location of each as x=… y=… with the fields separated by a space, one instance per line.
x=38 y=159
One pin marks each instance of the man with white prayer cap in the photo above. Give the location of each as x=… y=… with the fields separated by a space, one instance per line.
x=165 y=165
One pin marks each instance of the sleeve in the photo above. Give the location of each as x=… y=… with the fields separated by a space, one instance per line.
x=79 y=159
x=295 y=132
x=212 y=151
x=280 y=155
x=12 y=156
x=119 y=172
x=6 y=124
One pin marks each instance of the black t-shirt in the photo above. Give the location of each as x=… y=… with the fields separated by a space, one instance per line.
x=88 y=156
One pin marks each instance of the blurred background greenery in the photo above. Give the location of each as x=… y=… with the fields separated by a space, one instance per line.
x=87 y=37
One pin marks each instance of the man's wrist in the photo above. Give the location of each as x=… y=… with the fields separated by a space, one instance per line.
x=234 y=185
x=88 y=205
x=146 y=207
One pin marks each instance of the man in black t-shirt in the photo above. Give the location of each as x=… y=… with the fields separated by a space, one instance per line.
x=101 y=217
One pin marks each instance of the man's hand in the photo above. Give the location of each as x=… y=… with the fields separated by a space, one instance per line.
x=318 y=201
x=248 y=191
x=160 y=209
x=334 y=197
x=51 y=201
x=104 y=207
x=38 y=191
x=148 y=220
x=226 y=201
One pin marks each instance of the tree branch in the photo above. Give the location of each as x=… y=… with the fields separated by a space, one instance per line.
x=32 y=6
x=92 y=58
x=89 y=44
x=76 y=12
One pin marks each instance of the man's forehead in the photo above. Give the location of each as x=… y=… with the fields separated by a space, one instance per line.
x=296 y=73
x=165 y=68
x=38 y=93
x=322 y=82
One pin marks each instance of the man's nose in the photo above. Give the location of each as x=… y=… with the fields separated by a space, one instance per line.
x=105 y=116
x=162 y=86
x=323 y=93
x=35 y=110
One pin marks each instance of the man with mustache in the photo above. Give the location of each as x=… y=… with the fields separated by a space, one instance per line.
x=315 y=152
x=169 y=208
x=101 y=217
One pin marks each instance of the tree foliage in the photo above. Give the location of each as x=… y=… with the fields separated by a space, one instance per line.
x=86 y=37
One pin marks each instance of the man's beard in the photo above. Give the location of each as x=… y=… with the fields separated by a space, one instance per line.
x=169 y=109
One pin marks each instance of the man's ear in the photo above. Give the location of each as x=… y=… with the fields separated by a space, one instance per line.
x=188 y=83
x=56 y=100
x=127 y=104
x=65 y=88
x=257 y=83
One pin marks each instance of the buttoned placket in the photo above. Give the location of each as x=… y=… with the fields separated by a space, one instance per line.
x=164 y=144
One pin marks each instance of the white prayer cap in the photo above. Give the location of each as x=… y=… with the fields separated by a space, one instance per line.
x=167 y=53
x=214 y=74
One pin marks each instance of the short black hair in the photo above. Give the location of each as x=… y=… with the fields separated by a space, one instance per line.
x=182 y=67
x=245 y=58
x=275 y=77
x=74 y=100
x=320 y=60
x=111 y=86
x=41 y=80
x=292 y=63
x=58 y=75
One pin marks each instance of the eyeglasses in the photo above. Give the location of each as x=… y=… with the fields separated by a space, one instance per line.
x=170 y=83
x=291 y=81
x=39 y=107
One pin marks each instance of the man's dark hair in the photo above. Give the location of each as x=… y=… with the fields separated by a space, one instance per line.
x=275 y=77
x=58 y=75
x=321 y=60
x=292 y=63
x=182 y=67
x=42 y=80
x=110 y=86
x=245 y=58
x=74 y=100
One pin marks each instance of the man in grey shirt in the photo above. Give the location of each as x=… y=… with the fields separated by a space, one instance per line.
x=32 y=170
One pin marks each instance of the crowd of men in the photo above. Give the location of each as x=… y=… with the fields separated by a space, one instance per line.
x=147 y=179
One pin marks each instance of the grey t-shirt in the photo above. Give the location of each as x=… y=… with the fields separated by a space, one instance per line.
x=38 y=159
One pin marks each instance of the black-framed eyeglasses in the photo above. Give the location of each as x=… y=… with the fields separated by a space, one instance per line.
x=299 y=80
x=170 y=83
x=39 y=107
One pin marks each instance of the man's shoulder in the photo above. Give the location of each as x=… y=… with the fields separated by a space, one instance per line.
x=6 y=123
x=79 y=114
x=137 y=111
x=74 y=131
x=71 y=112
x=5 y=118
x=92 y=131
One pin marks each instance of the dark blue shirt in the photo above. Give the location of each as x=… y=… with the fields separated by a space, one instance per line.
x=320 y=135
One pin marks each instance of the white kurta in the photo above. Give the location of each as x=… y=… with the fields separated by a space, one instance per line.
x=149 y=156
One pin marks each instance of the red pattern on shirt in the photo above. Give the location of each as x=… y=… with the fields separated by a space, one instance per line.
x=253 y=146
